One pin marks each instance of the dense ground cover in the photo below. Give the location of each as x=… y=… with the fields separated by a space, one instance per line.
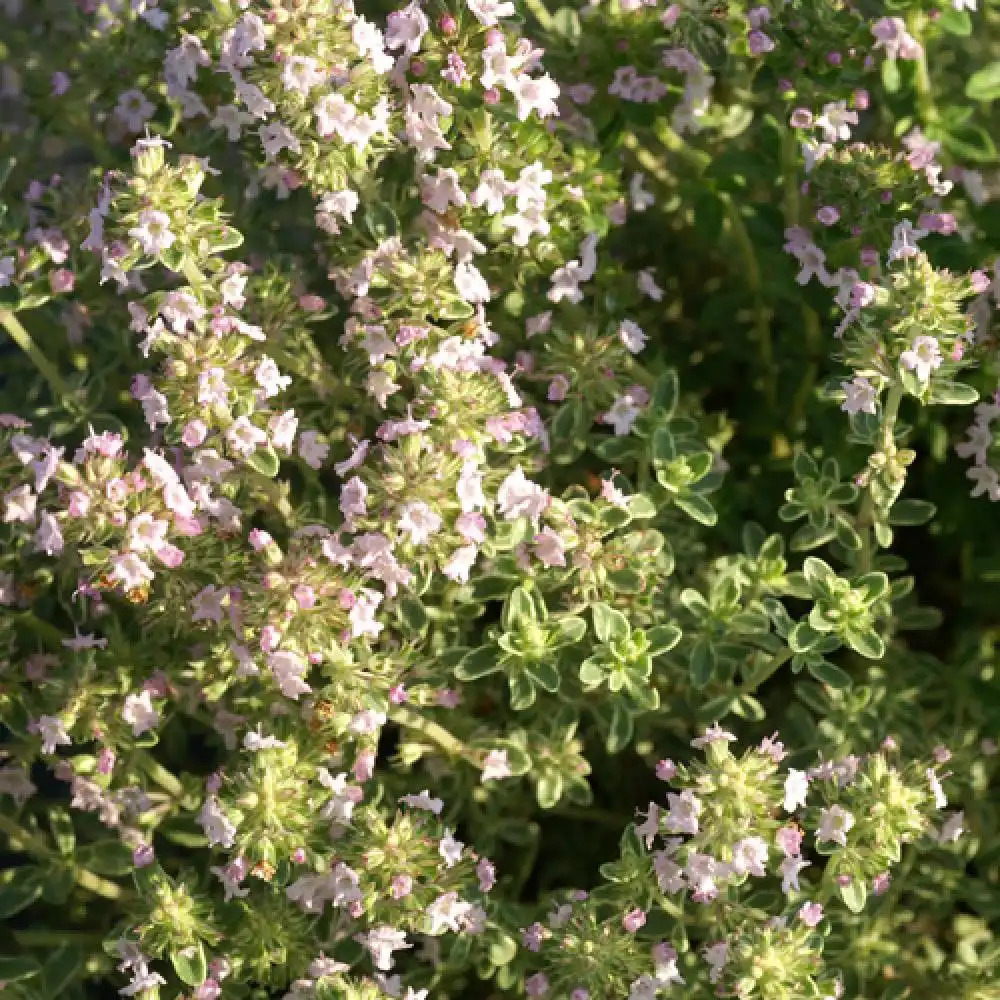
x=497 y=500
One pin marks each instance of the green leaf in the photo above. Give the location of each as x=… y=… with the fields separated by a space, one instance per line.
x=522 y=692
x=609 y=624
x=955 y=22
x=548 y=789
x=875 y=586
x=953 y=393
x=663 y=638
x=665 y=394
x=503 y=951
x=702 y=664
x=592 y=672
x=697 y=507
x=816 y=571
x=621 y=729
x=106 y=857
x=662 y=448
x=60 y=969
x=545 y=674
x=190 y=965
x=478 y=663
x=854 y=895
x=62 y=830
x=867 y=642
x=625 y=581
x=890 y=76
x=19 y=889
x=265 y=461
x=518 y=608
x=984 y=84
x=413 y=613
x=641 y=507
x=59 y=881
x=803 y=637
x=569 y=630
x=828 y=673
x=566 y=23
x=14 y=968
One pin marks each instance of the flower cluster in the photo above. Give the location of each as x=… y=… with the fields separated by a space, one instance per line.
x=413 y=424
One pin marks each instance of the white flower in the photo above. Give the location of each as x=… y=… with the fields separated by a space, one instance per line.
x=488 y=12
x=471 y=285
x=836 y=120
x=622 y=415
x=130 y=571
x=140 y=713
x=923 y=357
x=420 y=521
x=460 y=564
x=860 y=396
x=53 y=733
x=423 y=800
x=48 y=537
x=288 y=669
x=382 y=942
x=219 y=829
x=684 y=809
x=232 y=119
x=368 y=38
x=495 y=766
x=312 y=450
x=276 y=137
x=750 y=855
x=796 y=789
x=536 y=94
x=789 y=870
x=134 y=110
x=406 y=28
x=632 y=336
x=940 y=799
x=834 y=824
x=243 y=437
x=713 y=734
x=302 y=73
x=519 y=497
x=153 y=233
x=450 y=849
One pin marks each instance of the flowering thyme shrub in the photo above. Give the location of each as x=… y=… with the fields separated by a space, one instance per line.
x=485 y=500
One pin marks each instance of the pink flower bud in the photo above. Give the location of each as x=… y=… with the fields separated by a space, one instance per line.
x=312 y=303
x=194 y=433
x=61 y=280
x=143 y=855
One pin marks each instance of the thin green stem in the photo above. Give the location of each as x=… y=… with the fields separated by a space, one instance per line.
x=540 y=12
x=158 y=773
x=868 y=511
x=761 y=315
x=790 y=173
x=436 y=733
x=24 y=340
x=766 y=673
x=922 y=78
x=21 y=839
